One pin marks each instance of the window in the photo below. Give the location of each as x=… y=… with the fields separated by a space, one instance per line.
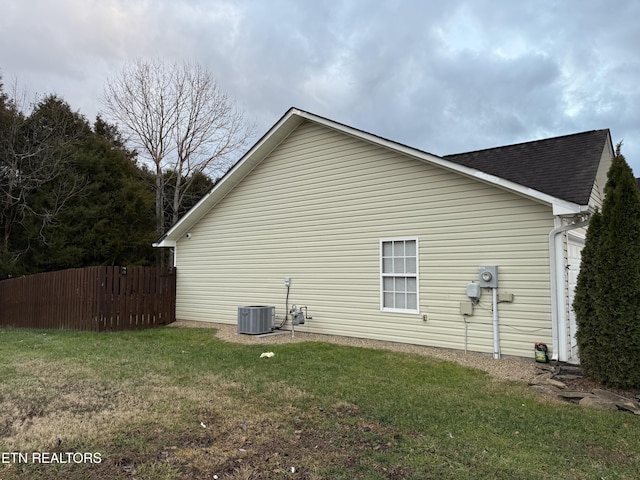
x=399 y=275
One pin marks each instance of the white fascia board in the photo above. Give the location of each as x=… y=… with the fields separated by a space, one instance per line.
x=295 y=117
x=560 y=207
x=164 y=243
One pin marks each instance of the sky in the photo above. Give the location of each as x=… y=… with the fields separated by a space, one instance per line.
x=441 y=76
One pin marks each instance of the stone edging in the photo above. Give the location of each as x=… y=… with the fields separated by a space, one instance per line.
x=550 y=380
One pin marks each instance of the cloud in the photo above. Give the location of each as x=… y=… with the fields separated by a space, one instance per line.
x=441 y=76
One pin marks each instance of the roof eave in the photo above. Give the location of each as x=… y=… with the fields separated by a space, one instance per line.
x=290 y=121
x=563 y=208
x=560 y=206
x=164 y=242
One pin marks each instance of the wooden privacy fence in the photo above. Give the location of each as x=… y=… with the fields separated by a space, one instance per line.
x=91 y=298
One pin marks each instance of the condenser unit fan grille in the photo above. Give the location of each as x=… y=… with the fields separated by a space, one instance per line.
x=255 y=320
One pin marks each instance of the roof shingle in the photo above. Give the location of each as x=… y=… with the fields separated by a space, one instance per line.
x=564 y=167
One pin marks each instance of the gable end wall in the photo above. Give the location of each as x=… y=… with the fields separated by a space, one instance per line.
x=597 y=192
x=316 y=209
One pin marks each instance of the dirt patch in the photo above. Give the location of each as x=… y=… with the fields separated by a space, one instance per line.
x=155 y=430
x=585 y=384
x=300 y=443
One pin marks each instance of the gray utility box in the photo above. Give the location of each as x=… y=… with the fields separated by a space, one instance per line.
x=489 y=276
x=255 y=320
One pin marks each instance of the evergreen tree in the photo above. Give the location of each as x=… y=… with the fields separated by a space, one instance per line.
x=110 y=222
x=585 y=296
x=608 y=291
x=70 y=195
x=34 y=152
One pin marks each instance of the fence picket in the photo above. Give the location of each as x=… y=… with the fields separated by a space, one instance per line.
x=91 y=298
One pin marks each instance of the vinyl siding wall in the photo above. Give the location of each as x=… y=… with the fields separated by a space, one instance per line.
x=316 y=209
x=597 y=193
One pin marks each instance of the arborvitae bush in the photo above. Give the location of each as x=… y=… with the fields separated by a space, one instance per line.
x=584 y=300
x=607 y=302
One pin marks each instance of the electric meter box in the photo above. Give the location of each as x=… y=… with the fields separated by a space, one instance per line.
x=489 y=277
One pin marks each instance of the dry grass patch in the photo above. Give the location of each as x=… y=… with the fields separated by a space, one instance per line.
x=49 y=403
x=270 y=436
x=151 y=428
x=53 y=403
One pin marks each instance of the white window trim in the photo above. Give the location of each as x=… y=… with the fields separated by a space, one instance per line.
x=417 y=274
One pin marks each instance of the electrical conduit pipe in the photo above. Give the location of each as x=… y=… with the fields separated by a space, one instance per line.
x=496 y=325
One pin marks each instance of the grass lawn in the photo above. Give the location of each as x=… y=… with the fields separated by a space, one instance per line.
x=179 y=403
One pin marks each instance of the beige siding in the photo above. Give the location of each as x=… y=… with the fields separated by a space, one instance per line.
x=597 y=193
x=316 y=209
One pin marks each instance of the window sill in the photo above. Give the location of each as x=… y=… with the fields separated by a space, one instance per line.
x=396 y=310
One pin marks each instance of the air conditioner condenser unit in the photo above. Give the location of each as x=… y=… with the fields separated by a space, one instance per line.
x=256 y=319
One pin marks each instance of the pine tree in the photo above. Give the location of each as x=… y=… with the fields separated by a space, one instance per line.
x=608 y=291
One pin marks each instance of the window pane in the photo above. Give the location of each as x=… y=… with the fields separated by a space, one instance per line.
x=398 y=265
x=387 y=265
x=411 y=264
x=412 y=301
x=410 y=248
x=388 y=300
x=399 y=268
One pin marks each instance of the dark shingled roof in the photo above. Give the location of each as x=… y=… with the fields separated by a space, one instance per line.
x=563 y=167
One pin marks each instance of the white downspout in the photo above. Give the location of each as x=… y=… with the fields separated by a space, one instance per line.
x=557 y=271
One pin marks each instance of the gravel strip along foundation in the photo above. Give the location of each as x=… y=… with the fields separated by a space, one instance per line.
x=506 y=368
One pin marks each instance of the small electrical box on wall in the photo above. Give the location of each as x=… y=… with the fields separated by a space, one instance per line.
x=473 y=291
x=466 y=308
x=505 y=297
x=489 y=277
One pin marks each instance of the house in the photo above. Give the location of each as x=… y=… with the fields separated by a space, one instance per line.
x=382 y=241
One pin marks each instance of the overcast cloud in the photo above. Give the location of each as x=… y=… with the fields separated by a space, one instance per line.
x=445 y=77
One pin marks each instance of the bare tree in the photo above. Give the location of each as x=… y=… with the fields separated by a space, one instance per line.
x=178 y=119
